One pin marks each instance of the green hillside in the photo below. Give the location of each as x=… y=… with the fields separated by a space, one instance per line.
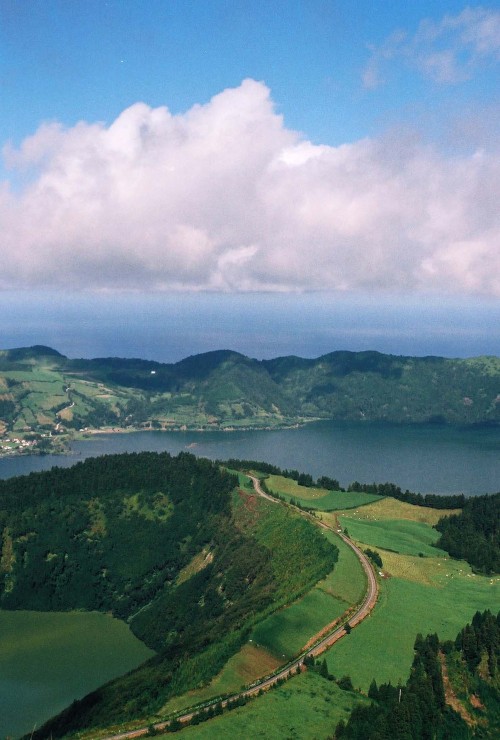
x=110 y=533
x=218 y=580
x=167 y=544
x=452 y=691
x=373 y=386
x=45 y=397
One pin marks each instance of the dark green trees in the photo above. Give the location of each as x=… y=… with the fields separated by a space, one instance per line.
x=374 y=557
x=474 y=534
x=418 y=710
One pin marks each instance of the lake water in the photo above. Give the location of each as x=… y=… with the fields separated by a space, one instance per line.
x=48 y=660
x=424 y=458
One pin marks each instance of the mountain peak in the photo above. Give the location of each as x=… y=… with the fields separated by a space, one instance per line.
x=32 y=353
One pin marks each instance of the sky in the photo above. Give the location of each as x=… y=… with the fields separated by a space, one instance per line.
x=275 y=177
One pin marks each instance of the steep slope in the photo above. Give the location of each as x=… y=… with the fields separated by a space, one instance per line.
x=163 y=542
x=370 y=385
x=110 y=533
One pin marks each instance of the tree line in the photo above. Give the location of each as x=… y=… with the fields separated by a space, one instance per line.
x=474 y=534
x=418 y=710
x=430 y=500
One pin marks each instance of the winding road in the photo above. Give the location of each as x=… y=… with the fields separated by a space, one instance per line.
x=319 y=642
x=372 y=588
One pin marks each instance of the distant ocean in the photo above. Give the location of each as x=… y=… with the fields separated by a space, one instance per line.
x=168 y=328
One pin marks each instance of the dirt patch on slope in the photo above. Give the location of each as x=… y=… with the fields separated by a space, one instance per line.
x=451 y=697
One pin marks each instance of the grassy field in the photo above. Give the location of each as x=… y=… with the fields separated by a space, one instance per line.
x=418 y=594
x=286 y=632
x=347 y=582
x=318 y=498
x=305 y=707
x=43 y=398
x=241 y=669
x=399 y=535
x=439 y=595
x=391 y=508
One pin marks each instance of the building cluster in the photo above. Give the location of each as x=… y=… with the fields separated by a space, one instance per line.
x=11 y=444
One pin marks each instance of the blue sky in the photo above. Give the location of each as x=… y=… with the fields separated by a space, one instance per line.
x=91 y=59
x=279 y=177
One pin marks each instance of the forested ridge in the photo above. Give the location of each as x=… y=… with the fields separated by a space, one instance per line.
x=167 y=543
x=42 y=391
x=419 y=709
x=474 y=534
x=109 y=533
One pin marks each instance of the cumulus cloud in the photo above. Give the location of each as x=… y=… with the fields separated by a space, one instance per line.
x=225 y=198
x=448 y=51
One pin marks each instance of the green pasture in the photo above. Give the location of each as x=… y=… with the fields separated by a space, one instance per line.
x=40 y=401
x=92 y=390
x=38 y=375
x=45 y=373
x=318 y=498
x=81 y=407
x=287 y=631
x=283 y=633
x=391 y=508
x=441 y=597
x=28 y=416
x=27 y=375
x=347 y=581
x=381 y=647
x=47 y=403
x=337 y=500
x=54 y=386
x=242 y=669
x=306 y=707
x=399 y=535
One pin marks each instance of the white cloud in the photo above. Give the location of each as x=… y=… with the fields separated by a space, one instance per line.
x=448 y=51
x=226 y=198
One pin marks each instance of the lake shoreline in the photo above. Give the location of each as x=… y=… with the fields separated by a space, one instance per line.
x=64 y=441
x=420 y=458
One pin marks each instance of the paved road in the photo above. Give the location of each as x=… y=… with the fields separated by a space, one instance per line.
x=319 y=646
x=372 y=588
